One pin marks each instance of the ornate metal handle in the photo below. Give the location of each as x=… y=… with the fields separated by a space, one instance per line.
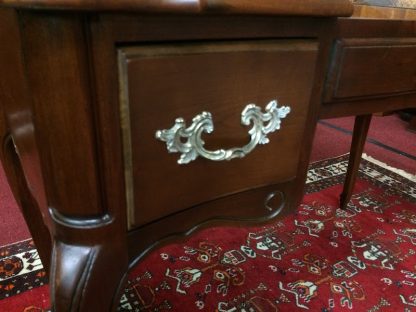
x=193 y=146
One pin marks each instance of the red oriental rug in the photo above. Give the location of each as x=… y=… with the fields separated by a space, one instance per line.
x=319 y=259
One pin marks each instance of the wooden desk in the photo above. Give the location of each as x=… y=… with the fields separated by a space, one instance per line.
x=85 y=87
x=372 y=70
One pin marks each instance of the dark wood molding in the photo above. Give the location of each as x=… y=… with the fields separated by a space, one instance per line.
x=63 y=105
x=78 y=271
x=19 y=152
x=356 y=72
x=243 y=209
x=264 y=7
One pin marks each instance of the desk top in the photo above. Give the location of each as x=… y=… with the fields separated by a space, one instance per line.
x=385 y=9
x=267 y=7
x=406 y=4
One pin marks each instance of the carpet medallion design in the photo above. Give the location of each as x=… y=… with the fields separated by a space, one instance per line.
x=321 y=258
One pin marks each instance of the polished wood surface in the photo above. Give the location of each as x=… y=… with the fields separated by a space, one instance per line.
x=370 y=91
x=19 y=153
x=375 y=12
x=51 y=66
x=369 y=78
x=62 y=110
x=405 y=4
x=372 y=67
x=188 y=77
x=242 y=210
x=361 y=126
x=268 y=7
x=379 y=9
x=126 y=28
x=71 y=67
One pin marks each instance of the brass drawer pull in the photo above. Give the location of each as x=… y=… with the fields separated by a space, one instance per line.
x=189 y=143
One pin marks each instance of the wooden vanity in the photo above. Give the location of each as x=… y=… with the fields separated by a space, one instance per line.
x=127 y=122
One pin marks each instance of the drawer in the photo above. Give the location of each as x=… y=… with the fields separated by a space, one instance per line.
x=371 y=67
x=160 y=83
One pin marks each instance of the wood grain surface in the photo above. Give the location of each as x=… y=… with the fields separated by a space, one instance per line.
x=165 y=82
x=61 y=78
x=371 y=67
x=377 y=12
x=409 y=4
x=269 y=7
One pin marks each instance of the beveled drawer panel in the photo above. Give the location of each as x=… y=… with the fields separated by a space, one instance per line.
x=372 y=67
x=160 y=83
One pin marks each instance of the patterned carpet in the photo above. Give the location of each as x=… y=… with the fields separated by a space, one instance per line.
x=319 y=259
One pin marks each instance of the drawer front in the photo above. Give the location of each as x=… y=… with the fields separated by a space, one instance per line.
x=160 y=83
x=372 y=67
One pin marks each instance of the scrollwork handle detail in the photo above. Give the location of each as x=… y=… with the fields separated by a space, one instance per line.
x=188 y=141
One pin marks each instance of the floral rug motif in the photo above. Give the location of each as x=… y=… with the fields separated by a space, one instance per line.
x=321 y=258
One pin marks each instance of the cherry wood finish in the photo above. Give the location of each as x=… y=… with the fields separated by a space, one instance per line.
x=405 y=4
x=69 y=102
x=68 y=61
x=361 y=126
x=352 y=92
x=367 y=76
x=385 y=40
x=395 y=9
x=62 y=110
x=268 y=7
x=111 y=29
x=357 y=70
x=21 y=161
x=377 y=12
x=221 y=78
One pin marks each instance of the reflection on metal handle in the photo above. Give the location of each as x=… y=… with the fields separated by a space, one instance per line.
x=188 y=142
